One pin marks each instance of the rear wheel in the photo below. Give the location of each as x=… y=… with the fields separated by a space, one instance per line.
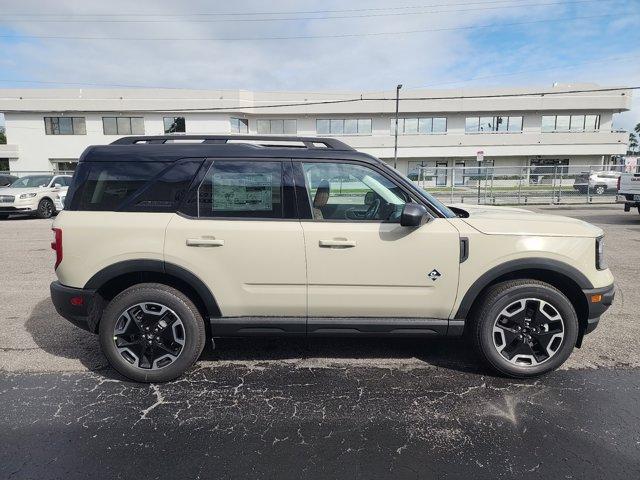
x=46 y=208
x=151 y=333
x=525 y=328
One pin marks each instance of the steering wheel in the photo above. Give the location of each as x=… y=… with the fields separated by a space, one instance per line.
x=372 y=211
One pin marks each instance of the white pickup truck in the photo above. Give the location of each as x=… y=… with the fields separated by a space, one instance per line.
x=629 y=191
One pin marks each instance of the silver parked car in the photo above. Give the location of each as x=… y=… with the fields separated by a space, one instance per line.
x=597 y=183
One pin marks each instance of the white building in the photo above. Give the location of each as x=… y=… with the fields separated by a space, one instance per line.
x=49 y=129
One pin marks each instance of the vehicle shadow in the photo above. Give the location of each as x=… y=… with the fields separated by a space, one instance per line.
x=58 y=337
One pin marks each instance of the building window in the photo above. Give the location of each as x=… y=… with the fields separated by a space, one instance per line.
x=277 y=127
x=65 y=126
x=415 y=126
x=174 y=125
x=501 y=124
x=123 y=125
x=570 y=123
x=342 y=126
x=64 y=165
x=239 y=125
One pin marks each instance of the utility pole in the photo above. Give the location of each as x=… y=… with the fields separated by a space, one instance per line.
x=395 y=146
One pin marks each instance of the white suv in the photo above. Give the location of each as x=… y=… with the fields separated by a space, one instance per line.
x=33 y=195
x=165 y=243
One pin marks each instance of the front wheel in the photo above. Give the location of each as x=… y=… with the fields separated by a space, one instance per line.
x=525 y=328
x=600 y=189
x=151 y=333
x=46 y=208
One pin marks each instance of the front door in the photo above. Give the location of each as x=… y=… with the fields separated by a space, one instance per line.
x=244 y=241
x=360 y=261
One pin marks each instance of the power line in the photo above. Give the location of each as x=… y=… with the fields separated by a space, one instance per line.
x=483 y=77
x=384 y=99
x=534 y=70
x=227 y=14
x=334 y=17
x=309 y=37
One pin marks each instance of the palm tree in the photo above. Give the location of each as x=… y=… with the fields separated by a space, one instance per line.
x=633 y=143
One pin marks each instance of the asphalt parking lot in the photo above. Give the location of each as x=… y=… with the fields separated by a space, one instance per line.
x=314 y=409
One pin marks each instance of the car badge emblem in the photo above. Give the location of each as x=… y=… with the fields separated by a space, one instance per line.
x=434 y=274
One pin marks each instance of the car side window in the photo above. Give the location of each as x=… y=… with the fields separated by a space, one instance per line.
x=352 y=192
x=242 y=189
x=62 y=181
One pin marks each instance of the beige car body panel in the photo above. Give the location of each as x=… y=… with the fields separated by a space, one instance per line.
x=93 y=241
x=263 y=266
x=383 y=270
x=278 y=268
x=252 y=267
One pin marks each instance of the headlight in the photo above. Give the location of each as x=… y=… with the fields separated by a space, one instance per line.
x=600 y=262
x=27 y=195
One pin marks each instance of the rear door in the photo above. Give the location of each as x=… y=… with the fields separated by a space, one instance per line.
x=360 y=261
x=240 y=234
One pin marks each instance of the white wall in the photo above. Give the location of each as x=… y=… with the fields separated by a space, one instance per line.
x=26 y=135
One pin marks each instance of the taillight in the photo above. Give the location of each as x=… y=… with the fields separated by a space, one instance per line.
x=56 y=245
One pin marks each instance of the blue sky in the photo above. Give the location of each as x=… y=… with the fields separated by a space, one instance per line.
x=533 y=42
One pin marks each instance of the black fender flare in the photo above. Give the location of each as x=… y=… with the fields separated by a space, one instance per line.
x=555 y=266
x=156 y=266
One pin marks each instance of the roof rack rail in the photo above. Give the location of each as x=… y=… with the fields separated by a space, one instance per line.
x=308 y=142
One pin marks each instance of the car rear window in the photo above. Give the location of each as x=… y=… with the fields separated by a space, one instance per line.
x=133 y=187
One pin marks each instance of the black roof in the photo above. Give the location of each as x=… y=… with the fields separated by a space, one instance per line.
x=169 y=148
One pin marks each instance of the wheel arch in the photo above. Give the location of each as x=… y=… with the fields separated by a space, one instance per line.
x=110 y=281
x=560 y=275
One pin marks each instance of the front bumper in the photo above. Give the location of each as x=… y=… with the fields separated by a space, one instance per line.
x=11 y=209
x=77 y=305
x=597 y=308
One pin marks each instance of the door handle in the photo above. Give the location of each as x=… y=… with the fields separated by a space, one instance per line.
x=204 y=242
x=337 y=243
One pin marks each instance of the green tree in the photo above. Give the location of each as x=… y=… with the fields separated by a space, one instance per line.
x=633 y=142
x=3 y=137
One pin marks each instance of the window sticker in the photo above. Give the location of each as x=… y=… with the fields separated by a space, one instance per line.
x=242 y=191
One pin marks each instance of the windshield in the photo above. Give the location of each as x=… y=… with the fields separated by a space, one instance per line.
x=32 y=181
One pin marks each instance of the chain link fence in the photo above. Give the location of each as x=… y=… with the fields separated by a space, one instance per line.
x=555 y=184
x=529 y=185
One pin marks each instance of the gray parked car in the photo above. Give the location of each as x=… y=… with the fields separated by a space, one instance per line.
x=597 y=183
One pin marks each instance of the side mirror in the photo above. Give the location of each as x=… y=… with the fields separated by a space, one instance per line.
x=413 y=215
x=57 y=185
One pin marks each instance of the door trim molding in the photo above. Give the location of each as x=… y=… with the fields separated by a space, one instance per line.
x=409 y=327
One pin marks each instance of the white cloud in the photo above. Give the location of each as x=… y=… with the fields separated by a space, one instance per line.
x=354 y=63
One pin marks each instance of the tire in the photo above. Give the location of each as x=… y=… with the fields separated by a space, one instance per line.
x=119 y=325
x=599 y=189
x=46 y=208
x=495 y=337
x=3 y=216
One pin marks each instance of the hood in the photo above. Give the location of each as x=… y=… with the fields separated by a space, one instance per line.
x=492 y=220
x=18 y=191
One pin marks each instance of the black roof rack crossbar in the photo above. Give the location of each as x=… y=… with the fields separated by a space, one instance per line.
x=308 y=142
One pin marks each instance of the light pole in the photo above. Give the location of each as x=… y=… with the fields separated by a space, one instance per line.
x=395 y=145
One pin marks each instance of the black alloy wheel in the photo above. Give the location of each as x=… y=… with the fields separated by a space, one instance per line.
x=149 y=335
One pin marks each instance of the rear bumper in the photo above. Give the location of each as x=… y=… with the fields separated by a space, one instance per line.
x=597 y=308
x=76 y=305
